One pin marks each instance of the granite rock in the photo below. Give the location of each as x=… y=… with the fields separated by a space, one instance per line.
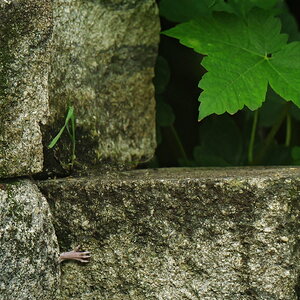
x=25 y=35
x=28 y=246
x=97 y=56
x=103 y=63
x=224 y=234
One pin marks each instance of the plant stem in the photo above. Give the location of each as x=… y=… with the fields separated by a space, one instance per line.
x=252 y=137
x=73 y=124
x=178 y=144
x=271 y=135
x=288 y=130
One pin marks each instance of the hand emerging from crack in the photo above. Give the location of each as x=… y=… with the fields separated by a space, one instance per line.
x=82 y=256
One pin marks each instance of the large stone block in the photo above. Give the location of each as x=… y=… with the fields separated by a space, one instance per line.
x=25 y=33
x=28 y=246
x=224 y=234
x=102 y=63
x=99 y=57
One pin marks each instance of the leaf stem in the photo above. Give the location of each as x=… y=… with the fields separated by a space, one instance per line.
x=178 y=144
x=288 y=130
x=271 y=135
x=70 y=116
x=252 y=137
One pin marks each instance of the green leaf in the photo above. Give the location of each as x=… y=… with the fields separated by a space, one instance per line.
x=57 y=137
x=184 y=10
x=70 y=116
x=266 y=4
x=242 y=7
x=162 y=75
x=221 y=142
x=278 y=155
x=295 y=112
x=164 y=114
x=187 y=163
x=289 y=24
x=270 y=109
x=296 y=155
x=284 y=72
x=243 y=56
x=205 y=159
x=73 y=126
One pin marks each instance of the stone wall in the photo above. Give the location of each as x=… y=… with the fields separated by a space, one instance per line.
x=224 y=234
x=28 y=244
x=102 y=63
x=25 y=34
x=97 y=56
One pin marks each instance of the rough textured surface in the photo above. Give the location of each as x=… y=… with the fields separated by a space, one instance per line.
x=25 y=32
x=225 y=234
x=96 y=55
x=28 y=245
x=102 y=63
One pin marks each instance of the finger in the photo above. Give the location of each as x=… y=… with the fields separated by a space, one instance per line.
x=76 y=249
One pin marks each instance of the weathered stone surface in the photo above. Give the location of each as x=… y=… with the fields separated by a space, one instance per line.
x=102 y=63
x=28 y=244
x=225 y=234
x=97 y=56
x=25 y=32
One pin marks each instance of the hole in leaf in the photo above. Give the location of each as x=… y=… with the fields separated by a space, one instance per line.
x=269 y=55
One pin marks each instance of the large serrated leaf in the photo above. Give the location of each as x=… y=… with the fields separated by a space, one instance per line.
x=242 y=7
x=243 y=56
x=289 y=23
x=184 y=10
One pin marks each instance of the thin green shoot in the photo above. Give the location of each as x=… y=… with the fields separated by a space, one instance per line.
x=252 y=138
x=288 y=135
x=270 y=137
x=70 y=117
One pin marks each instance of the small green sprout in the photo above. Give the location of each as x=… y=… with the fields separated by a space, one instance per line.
x=70 y=117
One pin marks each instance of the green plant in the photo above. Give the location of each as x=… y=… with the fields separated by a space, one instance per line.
x=245 y=52
x=69 y=117
x=251 y=50
x=165 y=116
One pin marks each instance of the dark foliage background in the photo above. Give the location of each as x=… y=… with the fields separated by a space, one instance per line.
x=217 y=140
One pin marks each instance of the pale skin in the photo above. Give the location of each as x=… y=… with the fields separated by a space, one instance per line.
x=75 y=254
